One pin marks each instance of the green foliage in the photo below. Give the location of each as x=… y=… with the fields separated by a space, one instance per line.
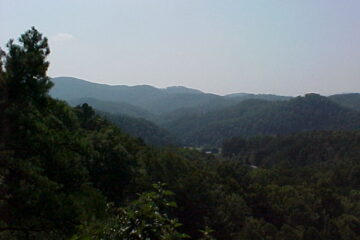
x=25 y=68
x=295 y=150
x=43 y=180
x=144 y=218
x=206 y=234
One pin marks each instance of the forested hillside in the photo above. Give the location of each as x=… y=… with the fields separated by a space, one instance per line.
x=114 y=108
x=350 y=100
x=67 y=173
x=199 y=119
x=267 y=97
x=132 y=120
x=297 y=150
x=149 y=132
x=257 y=117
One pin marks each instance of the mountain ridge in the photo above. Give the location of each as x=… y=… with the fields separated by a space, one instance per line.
x=199 y=118
x=152 y=99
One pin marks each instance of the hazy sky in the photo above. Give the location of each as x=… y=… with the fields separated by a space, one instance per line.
x=285 y=47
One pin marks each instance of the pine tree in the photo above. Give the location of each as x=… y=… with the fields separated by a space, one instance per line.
x=44 y=186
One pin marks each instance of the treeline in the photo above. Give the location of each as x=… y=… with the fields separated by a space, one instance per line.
x=67 y=173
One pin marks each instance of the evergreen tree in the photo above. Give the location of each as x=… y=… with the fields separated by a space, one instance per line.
x=43 y=181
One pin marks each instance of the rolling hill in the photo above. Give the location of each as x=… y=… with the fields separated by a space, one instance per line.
x=119 y=108
x=349 y=100
x=149 y=132
x=156 y=101
x=258 y=117
x=198 y=118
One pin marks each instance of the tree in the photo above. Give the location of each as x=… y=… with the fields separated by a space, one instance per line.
x=25 y=68
x=43 y=182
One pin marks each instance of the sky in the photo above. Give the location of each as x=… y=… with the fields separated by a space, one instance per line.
x=287 y=47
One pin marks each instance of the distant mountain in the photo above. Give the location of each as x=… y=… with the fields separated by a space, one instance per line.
x=181 y=89
x=199 y=118
x=349 y=100
x=151 y=99
x=154 y=100
x=259 y=117
x=185 y=114
x=68 y=88
x=176 y=102
x=267 y=97
x=114 y=107
x=217 y=103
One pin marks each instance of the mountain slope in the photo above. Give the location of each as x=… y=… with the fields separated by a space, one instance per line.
x=114 y=107
x=181 y=89
x=267 y=97
x=151 y=99
x=149 y=132
x=177 y=102
x=257 y=117
x=154 y=100
x=67 y=88
x=349 y=100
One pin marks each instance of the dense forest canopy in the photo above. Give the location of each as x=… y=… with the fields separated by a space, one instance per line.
x=68 y=173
